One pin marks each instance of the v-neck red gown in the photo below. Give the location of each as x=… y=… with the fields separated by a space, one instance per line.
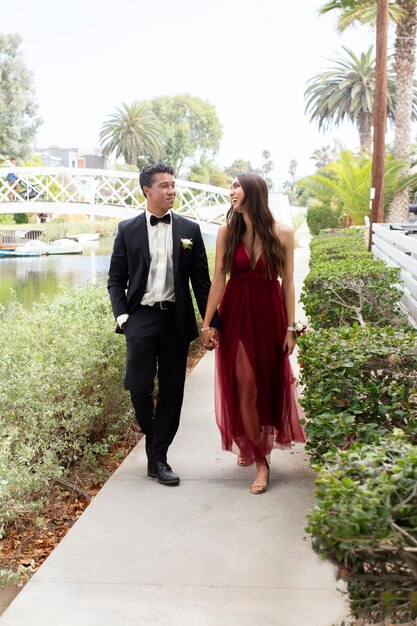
x=256 y=399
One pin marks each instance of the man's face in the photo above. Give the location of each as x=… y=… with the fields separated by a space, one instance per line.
x=161 y=194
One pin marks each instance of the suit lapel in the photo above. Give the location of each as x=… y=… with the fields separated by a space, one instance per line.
x=176 y=240
x=142 y=237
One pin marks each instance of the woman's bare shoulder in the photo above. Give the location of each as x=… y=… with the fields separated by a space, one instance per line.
x=284 y=232
x=222 y=232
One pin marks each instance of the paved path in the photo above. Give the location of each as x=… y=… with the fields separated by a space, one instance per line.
x=206 y=553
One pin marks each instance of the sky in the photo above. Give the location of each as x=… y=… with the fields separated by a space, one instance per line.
x=250 y=59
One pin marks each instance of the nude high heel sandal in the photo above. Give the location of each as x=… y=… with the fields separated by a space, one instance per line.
x=258 y=488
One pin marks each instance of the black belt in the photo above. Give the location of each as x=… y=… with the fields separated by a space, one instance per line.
x=165 y=305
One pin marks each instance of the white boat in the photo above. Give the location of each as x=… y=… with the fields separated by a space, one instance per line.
x=64 y=246
x=85 y=237
x=30 y=248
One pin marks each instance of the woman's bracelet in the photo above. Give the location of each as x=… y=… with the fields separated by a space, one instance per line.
x=205 y=329
x=289 y=328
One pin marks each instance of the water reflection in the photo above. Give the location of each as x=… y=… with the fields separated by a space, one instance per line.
x=30 y=277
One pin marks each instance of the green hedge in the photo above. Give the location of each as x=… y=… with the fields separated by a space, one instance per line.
x=365 y=519
x=61 y=392
x=344 y=244
x=347 y=291
x=320 y=217
x=360 y=397
x=357 y=383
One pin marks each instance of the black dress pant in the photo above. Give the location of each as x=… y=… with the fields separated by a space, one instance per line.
x=154 y=347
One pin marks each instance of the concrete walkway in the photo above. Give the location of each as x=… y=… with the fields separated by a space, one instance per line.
x=206 y=553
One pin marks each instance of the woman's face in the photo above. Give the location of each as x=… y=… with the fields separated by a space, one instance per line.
x=237 y=196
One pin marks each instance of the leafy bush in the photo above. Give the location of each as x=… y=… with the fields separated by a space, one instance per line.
x=365 y=519
x=320 y=217
x=61 y=391
x=358 y=383
x=335 y=245
x=21 y=218
x=346 y=291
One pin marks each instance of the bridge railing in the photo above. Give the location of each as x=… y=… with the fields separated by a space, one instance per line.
x=107 y=187
x=396 y=244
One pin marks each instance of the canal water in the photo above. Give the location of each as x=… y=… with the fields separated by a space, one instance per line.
x=30 y=277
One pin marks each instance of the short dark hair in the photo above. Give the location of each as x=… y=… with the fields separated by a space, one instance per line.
x=147 y=174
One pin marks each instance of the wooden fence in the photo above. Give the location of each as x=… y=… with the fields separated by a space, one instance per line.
x=396 y=244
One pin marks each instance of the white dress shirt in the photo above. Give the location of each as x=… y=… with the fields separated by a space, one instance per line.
x=160 y=284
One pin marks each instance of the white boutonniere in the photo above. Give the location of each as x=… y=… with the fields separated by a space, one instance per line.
x=187 y=244
x=300 y=328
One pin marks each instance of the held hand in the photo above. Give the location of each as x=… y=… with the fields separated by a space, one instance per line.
x=215 y=337
x=289 y=343
x=209 y=336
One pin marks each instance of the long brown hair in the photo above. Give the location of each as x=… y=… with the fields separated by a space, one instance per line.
x=256 y=200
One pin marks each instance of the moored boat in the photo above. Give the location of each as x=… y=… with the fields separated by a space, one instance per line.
x=64 y=246
x=38 y=248
x=83 y=237
x=30 y=248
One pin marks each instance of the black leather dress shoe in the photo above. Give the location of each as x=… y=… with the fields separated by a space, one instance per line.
x=151 y=472
x=165 y=475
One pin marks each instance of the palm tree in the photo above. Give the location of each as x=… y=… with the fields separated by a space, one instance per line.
x=404 y=13
x=323 y=156
x=364 y=11
x=344 y=184
x=405 y=50
x=346 y=92
x=133 y=132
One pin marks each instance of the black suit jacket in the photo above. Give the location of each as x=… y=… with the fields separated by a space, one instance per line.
x=129 y=269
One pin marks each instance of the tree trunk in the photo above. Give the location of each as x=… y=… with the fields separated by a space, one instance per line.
x=365 y=130
x=405 y=47
x=380 y=117
x=134 y=157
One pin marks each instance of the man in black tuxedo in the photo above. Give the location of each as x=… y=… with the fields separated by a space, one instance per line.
x=155 y=256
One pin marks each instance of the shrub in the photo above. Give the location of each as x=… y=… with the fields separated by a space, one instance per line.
x=21 y=218
x=61 y=391
x=358 y=382
x=321 y=216
x=333 y=246
x=344 y=292
x=365 y=519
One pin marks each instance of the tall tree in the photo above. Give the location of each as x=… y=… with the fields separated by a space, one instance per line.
x=266 y=167
x=346 y=92
x=404 y=13
x=290 y=185
x=192 y=127
x=133 y=132
x=208 y=173
x=323 y=156
x=239 y=166
x=364 y=11
x=18 y=119
x=405 y=52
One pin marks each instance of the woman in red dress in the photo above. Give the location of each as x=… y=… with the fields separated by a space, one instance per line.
x=256 y=403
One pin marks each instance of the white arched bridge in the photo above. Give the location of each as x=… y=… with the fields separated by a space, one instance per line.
x=106 y=193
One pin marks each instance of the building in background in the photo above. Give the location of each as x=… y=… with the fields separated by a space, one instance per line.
x=72 y=157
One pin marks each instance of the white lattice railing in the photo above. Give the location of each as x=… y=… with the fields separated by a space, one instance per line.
x=396 y=244
x=63 y=186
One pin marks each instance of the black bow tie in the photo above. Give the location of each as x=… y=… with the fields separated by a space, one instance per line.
x=166 y=219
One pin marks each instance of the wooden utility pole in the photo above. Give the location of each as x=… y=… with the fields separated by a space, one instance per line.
x=380 y=117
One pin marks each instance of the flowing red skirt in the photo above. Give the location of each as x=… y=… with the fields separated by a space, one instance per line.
x=256 y=393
